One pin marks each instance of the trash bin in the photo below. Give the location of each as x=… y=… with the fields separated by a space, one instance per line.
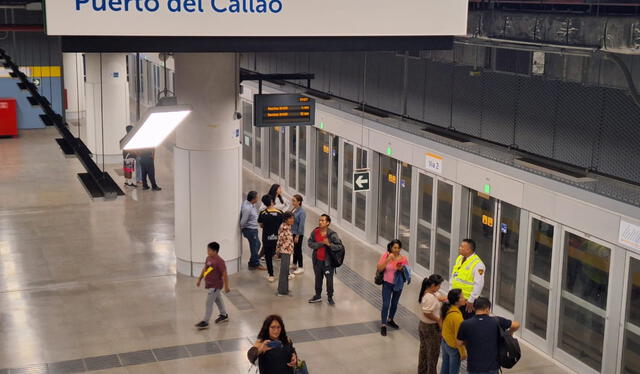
x=8 y=117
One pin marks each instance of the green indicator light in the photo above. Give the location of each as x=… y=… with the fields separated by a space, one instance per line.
x=389 y=152
x=487 y=189
x=322 y=125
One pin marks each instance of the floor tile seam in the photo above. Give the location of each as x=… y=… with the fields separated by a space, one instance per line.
x=189 y=353
x=68 y=285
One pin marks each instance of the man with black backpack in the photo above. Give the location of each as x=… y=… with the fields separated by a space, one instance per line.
x=328 y=254
x=488 y=340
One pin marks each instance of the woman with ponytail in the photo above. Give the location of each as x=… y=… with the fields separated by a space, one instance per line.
x=430 y=323
x=451 y=321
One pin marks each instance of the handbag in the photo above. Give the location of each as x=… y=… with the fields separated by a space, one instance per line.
x=301 y=368
x=379 y=277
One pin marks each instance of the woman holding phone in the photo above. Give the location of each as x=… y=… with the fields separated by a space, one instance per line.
x=273 y=349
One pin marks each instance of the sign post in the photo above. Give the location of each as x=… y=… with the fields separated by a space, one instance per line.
x=361 y=180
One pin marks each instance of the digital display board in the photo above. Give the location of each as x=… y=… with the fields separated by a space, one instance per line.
x=283 y=110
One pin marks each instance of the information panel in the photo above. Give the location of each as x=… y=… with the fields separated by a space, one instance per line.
x=257 y=18
x=283 y=110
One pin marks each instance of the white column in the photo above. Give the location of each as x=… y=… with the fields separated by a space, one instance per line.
x=73 y=64
x=207 y=167
x=107 y=102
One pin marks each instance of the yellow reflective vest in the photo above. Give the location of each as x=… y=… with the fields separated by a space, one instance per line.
x=462 y=276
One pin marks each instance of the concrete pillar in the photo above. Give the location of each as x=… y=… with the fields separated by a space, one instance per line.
x=107 y=102
x=73 y=75
x=207 y=155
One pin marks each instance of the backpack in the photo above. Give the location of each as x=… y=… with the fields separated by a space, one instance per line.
x=508 y=349
x=336 y=257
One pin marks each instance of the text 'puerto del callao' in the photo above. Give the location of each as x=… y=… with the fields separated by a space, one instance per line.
x=182 y=6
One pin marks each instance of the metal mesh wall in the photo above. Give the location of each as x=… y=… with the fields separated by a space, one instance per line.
x=593 y=127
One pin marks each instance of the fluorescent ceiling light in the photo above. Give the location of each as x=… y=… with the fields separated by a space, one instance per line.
x=155 y=127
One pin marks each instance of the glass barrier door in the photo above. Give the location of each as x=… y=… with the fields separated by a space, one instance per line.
x=353 y=204
x=582 y=315
x=482 y=222
x=542 y=258
x=630 y=363
x=495 y=227
x=506 y=259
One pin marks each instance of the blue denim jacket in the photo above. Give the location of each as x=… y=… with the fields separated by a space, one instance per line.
x=401 y=277
x=299 y=216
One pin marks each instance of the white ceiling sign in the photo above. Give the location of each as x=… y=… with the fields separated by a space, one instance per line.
x=257 y=18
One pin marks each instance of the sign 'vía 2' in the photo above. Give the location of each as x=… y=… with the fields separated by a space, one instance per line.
x=256 y=17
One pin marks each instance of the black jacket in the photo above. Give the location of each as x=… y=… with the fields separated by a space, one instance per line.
x=334 y=239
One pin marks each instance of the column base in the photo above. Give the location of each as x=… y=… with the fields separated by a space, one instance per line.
x=193 y=269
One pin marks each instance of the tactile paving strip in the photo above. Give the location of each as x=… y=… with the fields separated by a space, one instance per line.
x=186 y=351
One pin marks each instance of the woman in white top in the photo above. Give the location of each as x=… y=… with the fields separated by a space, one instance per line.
x=278 y=201
x=430 y=324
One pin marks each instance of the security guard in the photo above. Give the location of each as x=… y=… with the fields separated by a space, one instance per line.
x=468 y=274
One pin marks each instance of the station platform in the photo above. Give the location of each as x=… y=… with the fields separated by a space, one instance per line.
x=92 y=286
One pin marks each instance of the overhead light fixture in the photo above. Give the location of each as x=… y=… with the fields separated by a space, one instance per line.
x=158 y=123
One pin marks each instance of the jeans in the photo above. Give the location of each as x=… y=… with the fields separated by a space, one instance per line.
x=148 y=169
x=269 y=251
x=254 y=246
x=214 y=295
x=483 y=372
x=450 y=359
x=319 y=269
x=390 y=300
x=297 y=252
x=138 y=170
x=283 y=282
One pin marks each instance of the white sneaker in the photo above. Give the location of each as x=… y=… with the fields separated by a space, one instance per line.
x=299 y=271
x=291 y=276
x=271 y=279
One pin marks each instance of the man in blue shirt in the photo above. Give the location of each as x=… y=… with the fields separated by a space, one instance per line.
x=480 y=335
x=249 y=227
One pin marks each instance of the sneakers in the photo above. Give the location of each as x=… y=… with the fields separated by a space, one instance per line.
x=271 y=279
x=156 y=188
x=393 y=324
x=315 y=299
x=145 y=187
x=298 y=271
x=383 y=330
x=291 y=276
x=202 y=325
x=331 y=302
x=222 y=318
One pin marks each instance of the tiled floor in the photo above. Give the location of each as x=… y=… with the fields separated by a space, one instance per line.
x=91 y=286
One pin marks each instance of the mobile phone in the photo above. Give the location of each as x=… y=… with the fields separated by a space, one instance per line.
x=274 y=344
